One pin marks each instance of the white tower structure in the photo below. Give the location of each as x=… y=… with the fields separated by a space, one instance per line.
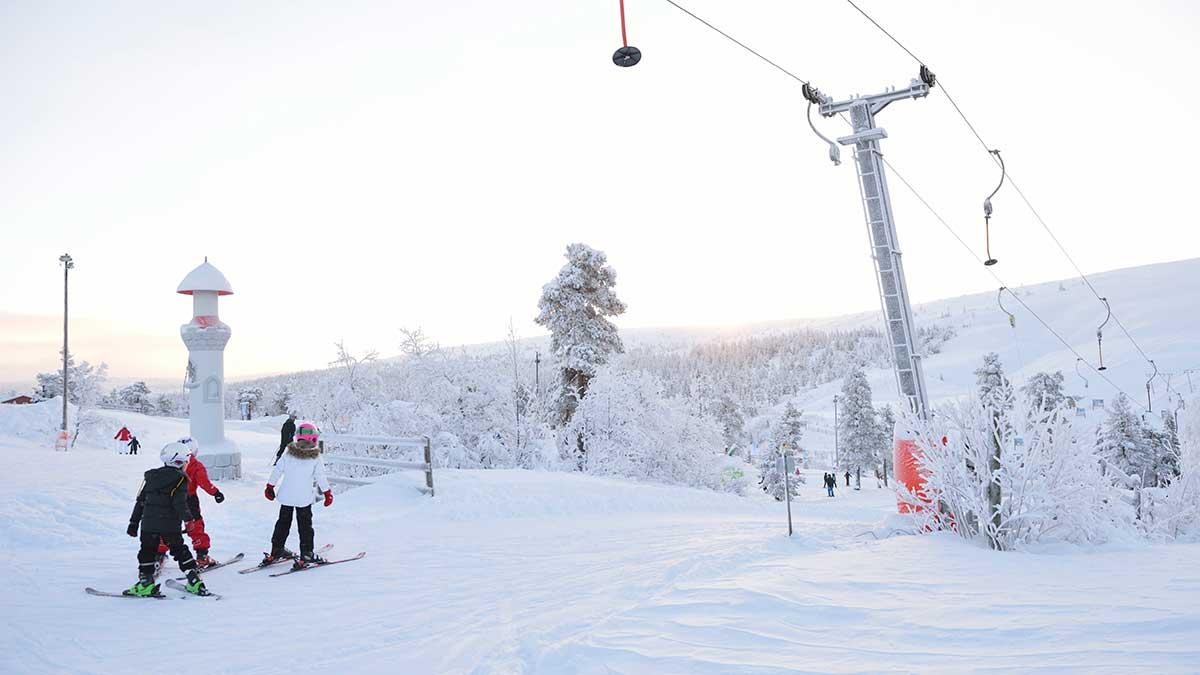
x=206 y=336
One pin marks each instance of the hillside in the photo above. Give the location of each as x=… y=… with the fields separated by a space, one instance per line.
x=529 y=571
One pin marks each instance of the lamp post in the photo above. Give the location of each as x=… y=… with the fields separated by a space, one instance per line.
x=68 y=264
x=835 y=431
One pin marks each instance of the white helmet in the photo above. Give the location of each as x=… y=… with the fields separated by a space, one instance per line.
x=191 y=444
x=175 y=454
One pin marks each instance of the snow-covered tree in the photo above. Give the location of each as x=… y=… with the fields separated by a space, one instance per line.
x=251 y=396
x=135 y=397
x=281 y=402
x=164 y=406
x=771 y=479
x=632 y=429
x=733 y=425
x=84 y=382
x=1044 y=392
x=575 y=307
x=887 y=427
x=858 y=429
x=1124 y=444
x=788 y=432
x=995 y=391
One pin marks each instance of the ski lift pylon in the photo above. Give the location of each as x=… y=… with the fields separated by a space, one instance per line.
x=626 y=56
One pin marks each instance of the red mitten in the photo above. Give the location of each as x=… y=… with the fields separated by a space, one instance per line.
x=328 y=498
x=270 y=492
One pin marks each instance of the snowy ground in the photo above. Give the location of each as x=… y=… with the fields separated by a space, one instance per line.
x=516 y=572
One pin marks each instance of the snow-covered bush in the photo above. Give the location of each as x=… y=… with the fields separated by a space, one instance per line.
x=1174 y=511
x=631 y=429
x=1050 y=481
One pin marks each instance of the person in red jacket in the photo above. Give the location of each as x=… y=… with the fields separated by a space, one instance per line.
x=197 y=478
x=122 y=437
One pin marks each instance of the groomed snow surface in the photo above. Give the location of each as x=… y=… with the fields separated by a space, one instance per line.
x=532 y=572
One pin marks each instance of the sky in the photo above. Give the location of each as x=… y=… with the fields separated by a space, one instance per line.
x=358 y=167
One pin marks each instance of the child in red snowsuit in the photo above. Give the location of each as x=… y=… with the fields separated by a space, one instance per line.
x=197 y=477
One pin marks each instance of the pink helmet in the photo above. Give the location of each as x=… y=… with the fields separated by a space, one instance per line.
x=307 y=431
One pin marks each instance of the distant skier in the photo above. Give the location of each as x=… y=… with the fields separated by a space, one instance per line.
x=830 y=483
x=161 y=507
x=123 y=436
x=133 y=444
x=847 y=479
x=286 y=435
x=197 y=476
x=300 y=467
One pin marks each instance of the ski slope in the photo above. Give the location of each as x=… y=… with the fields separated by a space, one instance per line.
x=533 y=572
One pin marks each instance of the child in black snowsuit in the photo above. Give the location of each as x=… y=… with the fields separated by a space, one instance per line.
x=161 y=507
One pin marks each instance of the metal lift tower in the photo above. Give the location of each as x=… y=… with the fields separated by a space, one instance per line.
x=881 y=226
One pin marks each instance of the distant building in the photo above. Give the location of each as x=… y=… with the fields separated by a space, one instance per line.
x=18 y=400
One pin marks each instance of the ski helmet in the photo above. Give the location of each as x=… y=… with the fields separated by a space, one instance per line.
x=307 y=431
x=175 y=454
x=191 y=445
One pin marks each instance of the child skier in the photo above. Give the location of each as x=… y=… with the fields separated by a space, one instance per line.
x=197 y=477
x=161 y=506
x=299 y=467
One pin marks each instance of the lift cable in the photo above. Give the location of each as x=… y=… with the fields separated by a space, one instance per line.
x=739 y=43
x=995 y=276
x=918 y=195
x=987 y=148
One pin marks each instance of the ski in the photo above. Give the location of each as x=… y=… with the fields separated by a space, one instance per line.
x=202 y=570
x=123 y=594
x=175 y=585
x=315 y=566
x=261 y=566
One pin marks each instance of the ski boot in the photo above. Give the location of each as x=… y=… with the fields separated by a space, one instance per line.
x=203 y=562
x=144 y=588
x=307 y=559
x=195 y=585
x=275 y=556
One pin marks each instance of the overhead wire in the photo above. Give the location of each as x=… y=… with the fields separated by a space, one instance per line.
x=938 y=216
x=1012 y=181
x=737 y=42
x=917 y=194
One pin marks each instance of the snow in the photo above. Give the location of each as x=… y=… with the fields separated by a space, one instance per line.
x=541 y=572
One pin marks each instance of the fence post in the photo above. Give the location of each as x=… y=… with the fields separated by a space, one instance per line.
x=429 y=466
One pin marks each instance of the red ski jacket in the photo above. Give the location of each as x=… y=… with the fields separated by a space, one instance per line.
x=122 y=435
x=197 y=477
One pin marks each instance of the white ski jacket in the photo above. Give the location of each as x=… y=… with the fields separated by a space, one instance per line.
x=300 y=467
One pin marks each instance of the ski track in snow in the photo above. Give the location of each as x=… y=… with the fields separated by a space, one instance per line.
x=532 y=572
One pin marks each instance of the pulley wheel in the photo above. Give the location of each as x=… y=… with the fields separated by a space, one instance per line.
x=627 y=56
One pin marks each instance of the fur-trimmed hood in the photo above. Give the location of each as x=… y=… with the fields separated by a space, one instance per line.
x=303 y=449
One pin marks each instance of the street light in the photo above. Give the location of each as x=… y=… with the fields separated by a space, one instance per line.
x=68 y=264
x=835 y=431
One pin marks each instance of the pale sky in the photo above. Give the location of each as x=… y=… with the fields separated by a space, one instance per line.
x=356 y=167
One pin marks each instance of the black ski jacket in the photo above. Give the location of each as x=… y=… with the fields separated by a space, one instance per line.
x=288 y=433
x=162 y=501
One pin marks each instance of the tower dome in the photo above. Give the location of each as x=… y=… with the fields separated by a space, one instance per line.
x=205 y=278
